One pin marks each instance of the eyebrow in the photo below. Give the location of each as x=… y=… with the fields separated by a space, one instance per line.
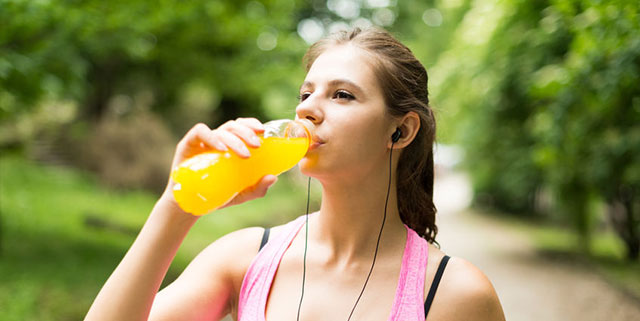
x=335 y=83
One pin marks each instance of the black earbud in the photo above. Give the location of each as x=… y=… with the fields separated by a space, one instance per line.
x=396 y=135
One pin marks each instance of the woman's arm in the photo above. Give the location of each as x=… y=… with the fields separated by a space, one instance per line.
x=130 y=291
x=209 y=287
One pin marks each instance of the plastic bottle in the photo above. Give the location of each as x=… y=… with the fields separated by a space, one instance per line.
x=209 y=180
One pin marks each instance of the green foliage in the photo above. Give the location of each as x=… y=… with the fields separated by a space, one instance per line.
x=550 y=99
x=53 y=260
x=185 y=61
x=91 y=51
x=49 y=258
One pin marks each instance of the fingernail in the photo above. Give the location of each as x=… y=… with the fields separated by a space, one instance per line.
x=245 y=151
x=255 y=141
x=220 y=146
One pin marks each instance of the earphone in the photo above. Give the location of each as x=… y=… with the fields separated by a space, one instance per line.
x=396 y=135
x=394 y=139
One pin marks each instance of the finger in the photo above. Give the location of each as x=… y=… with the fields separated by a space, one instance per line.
x=253 y=123
x=232 y=141
x=244 y=132
x=259 y=189
x=198 y=138
x=201 y=134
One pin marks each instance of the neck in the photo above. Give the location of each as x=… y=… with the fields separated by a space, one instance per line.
x=351 y=216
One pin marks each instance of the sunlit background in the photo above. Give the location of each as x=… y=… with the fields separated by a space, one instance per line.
x=538 y=156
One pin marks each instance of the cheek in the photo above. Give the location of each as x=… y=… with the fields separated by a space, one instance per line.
x=352 y=156
x=357 y=149
x=355 y=139
x=352 y=145
x=361 y=123
x=366 y=134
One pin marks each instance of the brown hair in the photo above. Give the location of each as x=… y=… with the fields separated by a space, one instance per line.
x=403 y=80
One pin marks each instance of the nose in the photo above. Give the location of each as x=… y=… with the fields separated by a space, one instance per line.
x=309 y=109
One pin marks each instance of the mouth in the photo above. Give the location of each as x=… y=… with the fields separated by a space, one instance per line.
x=315 y=143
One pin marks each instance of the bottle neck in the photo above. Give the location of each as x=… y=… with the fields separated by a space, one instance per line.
x=308 y=127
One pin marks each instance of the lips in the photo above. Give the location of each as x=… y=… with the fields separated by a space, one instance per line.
x=314 y=145
x=315 y=142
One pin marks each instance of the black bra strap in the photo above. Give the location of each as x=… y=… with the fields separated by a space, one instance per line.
x=265 y=238
x=434 y=285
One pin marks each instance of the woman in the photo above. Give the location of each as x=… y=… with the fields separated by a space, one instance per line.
x=367 y=96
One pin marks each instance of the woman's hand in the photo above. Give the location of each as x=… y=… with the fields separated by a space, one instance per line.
x=130 y=291
x=235 y=136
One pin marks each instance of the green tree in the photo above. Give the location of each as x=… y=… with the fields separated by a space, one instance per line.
x=593 y=142
x=548 y=98
x=91 y=51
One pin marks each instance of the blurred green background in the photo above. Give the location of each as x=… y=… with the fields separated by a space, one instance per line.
x=543 y=98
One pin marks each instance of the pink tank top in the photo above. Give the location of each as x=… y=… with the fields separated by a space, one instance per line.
x=408 y=304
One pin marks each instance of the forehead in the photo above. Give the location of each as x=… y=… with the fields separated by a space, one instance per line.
x=343 y=62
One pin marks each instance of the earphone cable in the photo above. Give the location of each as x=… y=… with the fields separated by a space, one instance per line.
x=306 y=238
x=384 y=218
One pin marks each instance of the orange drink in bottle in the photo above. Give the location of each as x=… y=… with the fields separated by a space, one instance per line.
x=209 y=180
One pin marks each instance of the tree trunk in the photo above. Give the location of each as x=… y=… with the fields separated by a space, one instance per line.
x=231 y=108
x=633 y=242
x=101 y=78
x=574 y=198
x=1 y=236
x=621 y=211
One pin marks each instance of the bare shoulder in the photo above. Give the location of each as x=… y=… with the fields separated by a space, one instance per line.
x=210 y=285
x=235 y=252
x=236 y=249
x=464 y=293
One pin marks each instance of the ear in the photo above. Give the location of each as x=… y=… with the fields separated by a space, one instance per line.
x=409 y=124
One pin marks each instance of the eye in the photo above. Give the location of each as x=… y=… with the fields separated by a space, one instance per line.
x=343 y=94
x=304 y=96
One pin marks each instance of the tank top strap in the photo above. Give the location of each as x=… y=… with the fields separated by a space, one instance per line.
x=409 y=300
x=259 y=276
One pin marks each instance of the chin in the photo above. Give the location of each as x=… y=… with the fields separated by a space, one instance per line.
x=308 y=166
x=320 y=171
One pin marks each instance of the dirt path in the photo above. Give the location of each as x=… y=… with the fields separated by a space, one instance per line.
x=530 y=287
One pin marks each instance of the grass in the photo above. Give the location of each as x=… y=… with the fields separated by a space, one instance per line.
x=52 y=263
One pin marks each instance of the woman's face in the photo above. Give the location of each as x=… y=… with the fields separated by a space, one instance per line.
x=342 y=97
